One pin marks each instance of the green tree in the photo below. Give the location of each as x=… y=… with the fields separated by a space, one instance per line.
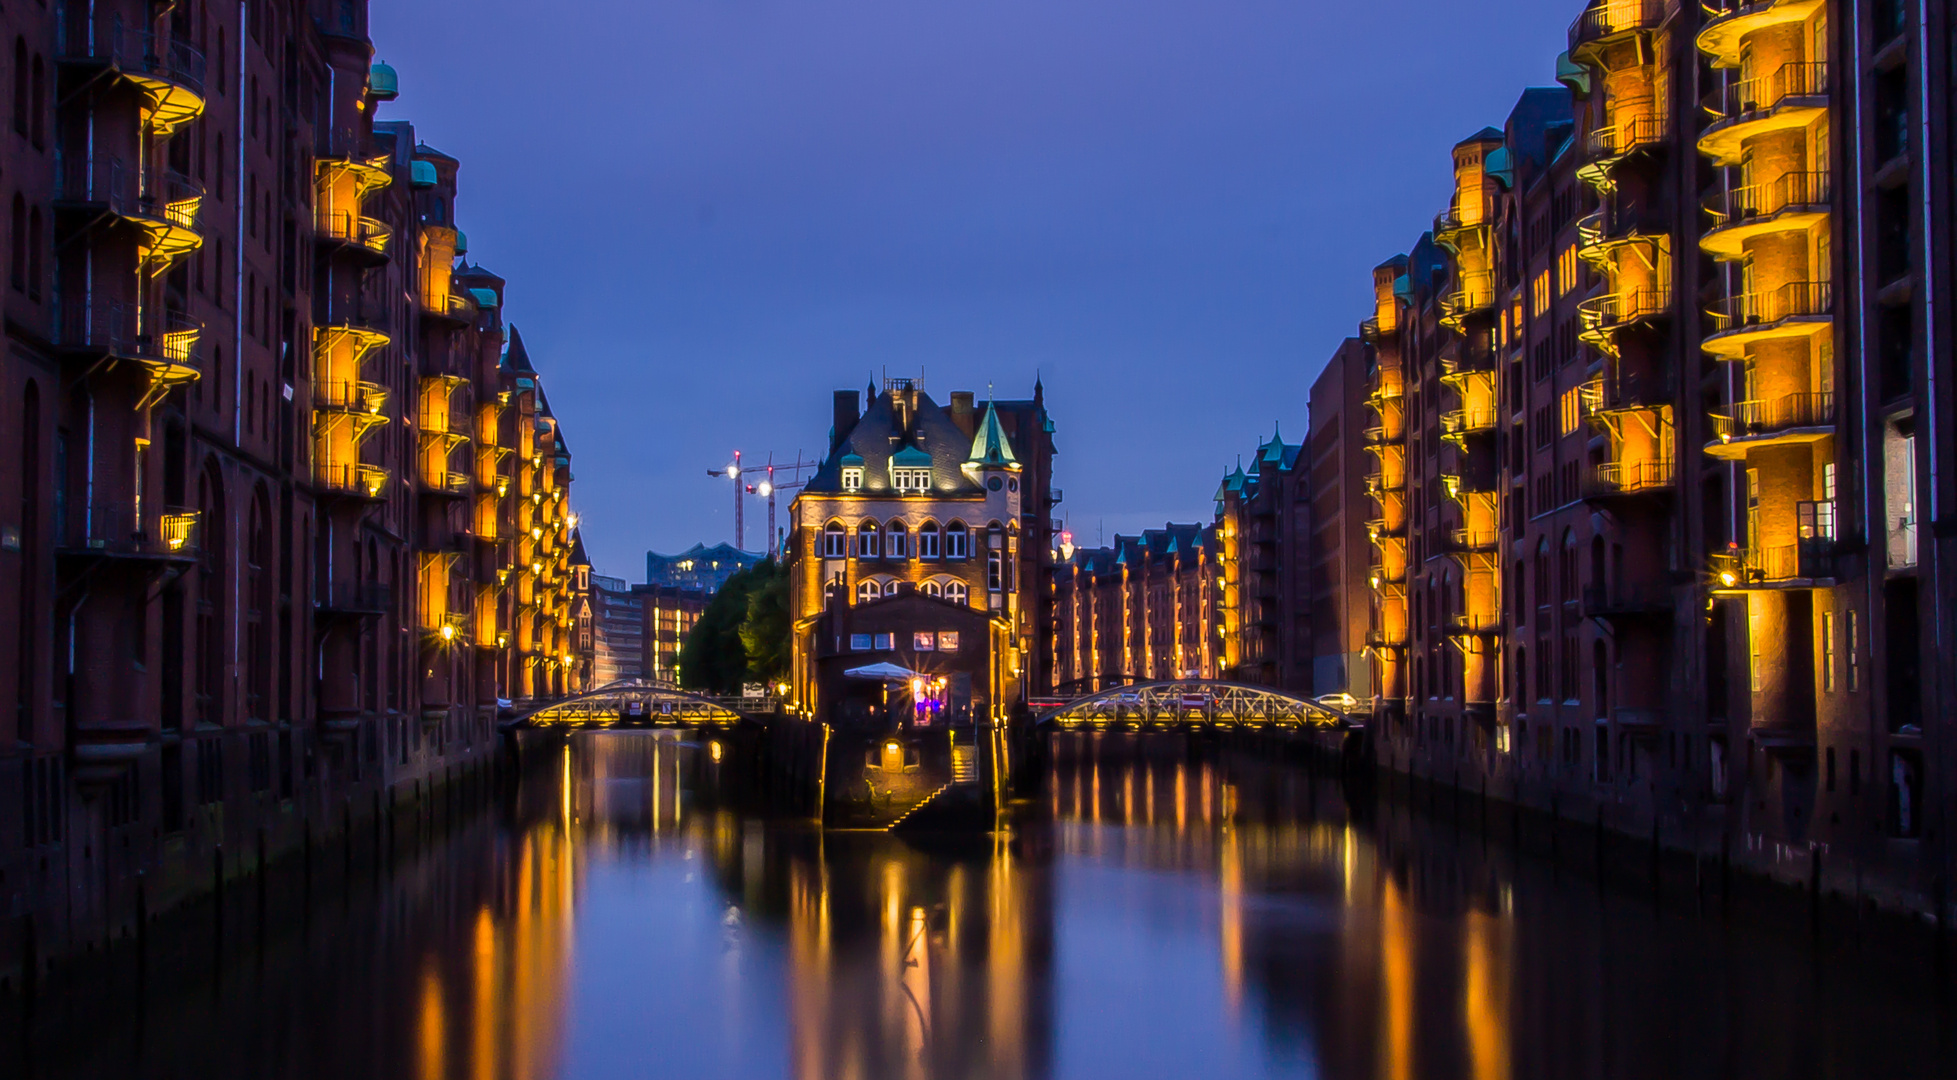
x=713 y=659
x=768 y=626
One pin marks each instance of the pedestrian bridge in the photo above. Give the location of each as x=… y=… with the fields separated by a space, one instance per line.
x=1192 y=704
x=634 y=703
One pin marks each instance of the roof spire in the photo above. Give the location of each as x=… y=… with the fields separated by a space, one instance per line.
x=991 y=448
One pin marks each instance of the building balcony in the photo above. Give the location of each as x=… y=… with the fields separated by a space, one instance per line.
x=168 y=72
x=1807 y=564
x=165 y=207
x=1379 y=435
x=1607 y=22
x=1605 y=146
x=1452 y=232
x=115 y=531
x=1792 y=202
x=1387 y=639
x=1782 y=421
x=1386 y=527
x=1797 y=309
x=1728 y=22
x=1459 y=425
x=165 y=348
x=364 y=399
x=444 y=483
x=358 y=233
x=1603 y=316
x=1622 y=601
x=1369 y=331
x=1618 y=479
x=1475 y=294
x=1790 y=97
x=458 y=308
x=1474 y=625
x=364 y=482
x=1470 y=541
x=354 y=598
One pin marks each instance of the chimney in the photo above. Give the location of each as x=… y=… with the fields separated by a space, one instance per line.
x=961 y=411
x=846 y=417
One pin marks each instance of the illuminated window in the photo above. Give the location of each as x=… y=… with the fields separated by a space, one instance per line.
x=956 y=592
x=911 y=479
x=1539 y=294
x=853 y=478
x=868 y=589
x=1828 y=652
x=931 y=588
x=1570 y=409
x=1566 y=271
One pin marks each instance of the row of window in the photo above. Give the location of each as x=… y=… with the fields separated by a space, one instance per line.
x=921 y=641
x=871 y=540
x=876 y=588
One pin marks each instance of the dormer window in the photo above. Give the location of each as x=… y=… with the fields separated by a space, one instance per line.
x=853 y=478
x=911 y=479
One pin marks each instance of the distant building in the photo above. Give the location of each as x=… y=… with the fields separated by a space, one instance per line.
x=619 y=627
x=1143 y=610
x=700 y=568
x=666 y=616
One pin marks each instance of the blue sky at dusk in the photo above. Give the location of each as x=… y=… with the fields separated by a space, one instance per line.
x=713 y=212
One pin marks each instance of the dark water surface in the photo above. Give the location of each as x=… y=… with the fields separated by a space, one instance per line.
x=1154 y=915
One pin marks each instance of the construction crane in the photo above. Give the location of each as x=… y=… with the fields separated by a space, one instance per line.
x=766 y=486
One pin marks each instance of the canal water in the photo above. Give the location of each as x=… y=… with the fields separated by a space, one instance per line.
x=1155 y=912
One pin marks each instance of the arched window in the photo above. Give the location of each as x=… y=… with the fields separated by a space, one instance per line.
x=34 y=254
x=21 y=106
x=1542 y=572
x=1521 y=674
x=931 y=588
x=958 y=541
x=956 y=592
x=1566 y=586
x=17 y=236
x=868 y=589
x=896 y=541
x=1600 y=680
x=867 y=546
x=927 y=540
x=1520 y=590
x=835 y=540
x=40 y=104
x=1597 y=579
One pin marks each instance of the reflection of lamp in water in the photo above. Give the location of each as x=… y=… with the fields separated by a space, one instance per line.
x=713 y=750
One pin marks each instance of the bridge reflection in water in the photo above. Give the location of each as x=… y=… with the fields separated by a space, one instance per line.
x=1158 y=911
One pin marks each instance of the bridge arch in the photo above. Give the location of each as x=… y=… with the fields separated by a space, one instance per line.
x=1191 y=704
x=632 y=703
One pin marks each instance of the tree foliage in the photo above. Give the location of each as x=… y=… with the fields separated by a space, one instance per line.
x=743 y=634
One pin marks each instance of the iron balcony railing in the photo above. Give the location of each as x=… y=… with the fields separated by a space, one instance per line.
x=106 y=181
x=1485 y=623
x=1467 y=540
x=1622 y=138
x=117 y=329
x=1789 y=189
x=1902 y=543
x=1796 y=299
x=1809 y=560
x=116 y=529
x=1468 y=421
x=444 y=482
x=366 y=481
x=363 y=397
x=349 y=227
x=1628 y=478
x=1771 y=415
x=1613 y=310
x=1794 y=80
x=136 y=52
x=1609 y=18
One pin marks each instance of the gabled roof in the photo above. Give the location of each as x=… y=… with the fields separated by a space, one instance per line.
x=880 y=436
x=515 y=356
x=578 y=555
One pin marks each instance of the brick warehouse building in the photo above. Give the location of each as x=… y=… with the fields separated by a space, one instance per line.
x=1647 y=425
x=284 y=509
x=947 y=504
x=1146 y=609
x=1659 y=405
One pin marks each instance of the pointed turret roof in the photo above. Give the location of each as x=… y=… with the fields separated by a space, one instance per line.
x=990 y=448
x=516 y=357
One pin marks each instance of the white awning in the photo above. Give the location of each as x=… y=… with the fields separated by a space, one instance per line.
x=885 y=672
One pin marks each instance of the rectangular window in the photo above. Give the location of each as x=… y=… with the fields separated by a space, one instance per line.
x=1570 y=410
x=853 y=479
x=886 y=642
x=927 y=543
x=860 y=642
x=947 y=641
x=1854 y=652
x=924 y=641
x=1828 y=652
x=995 y=570
x=1755 y=662
x=1539 y=294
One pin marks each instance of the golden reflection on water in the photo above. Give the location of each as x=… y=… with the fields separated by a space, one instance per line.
x=916 y=961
